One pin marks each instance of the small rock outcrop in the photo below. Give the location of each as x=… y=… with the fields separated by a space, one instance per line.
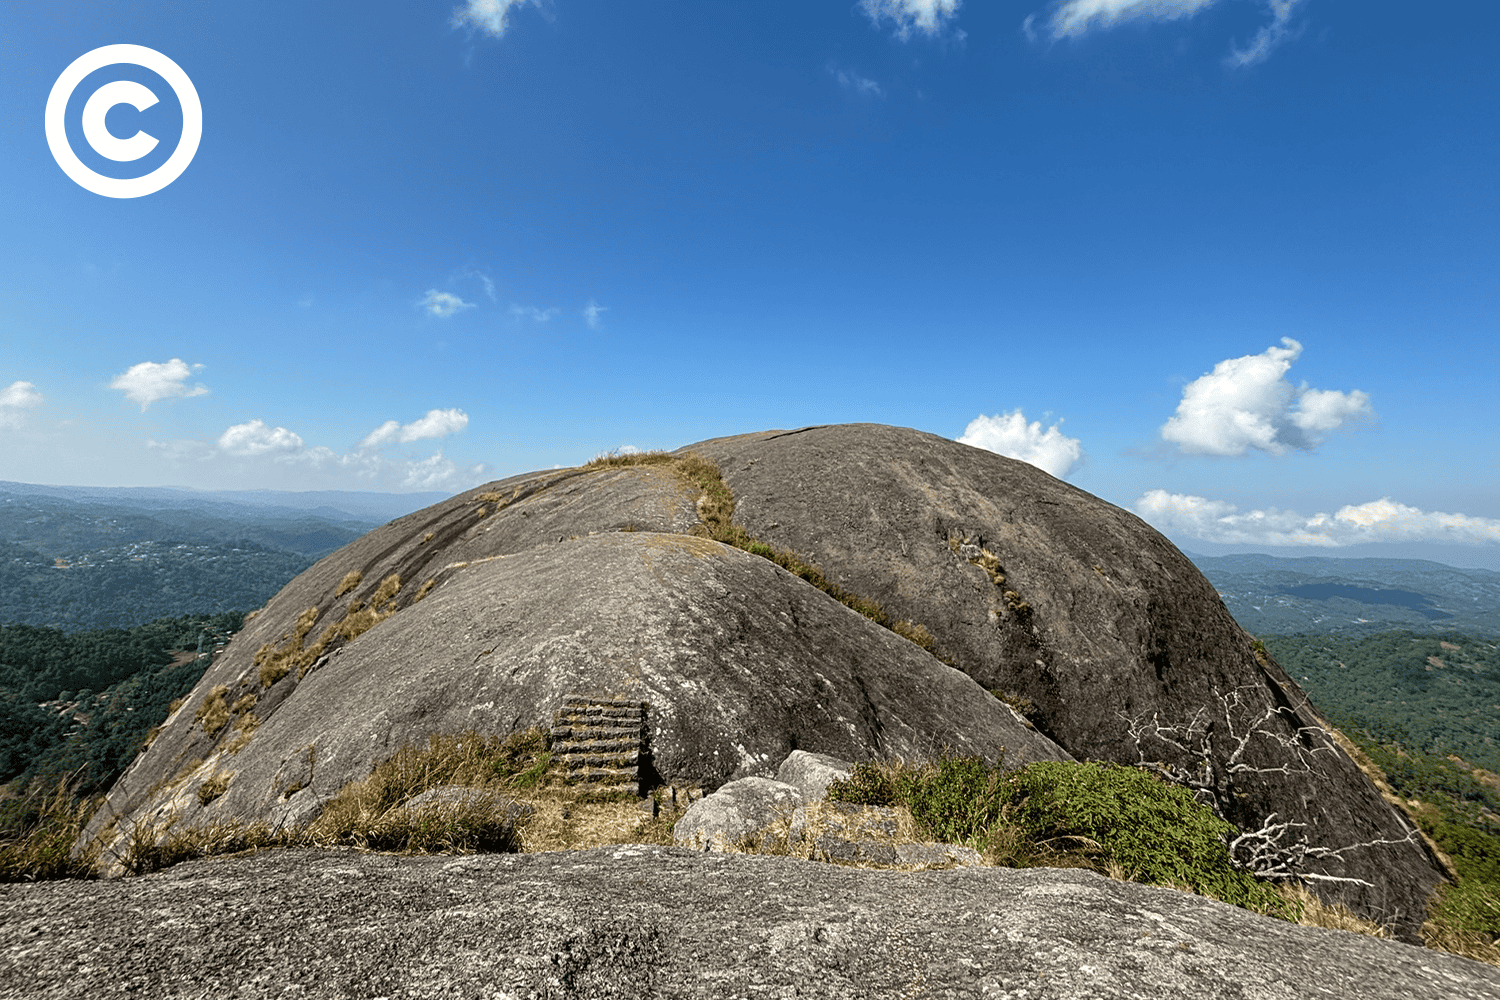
x=791 y=815
x=634 y=922
x=738 y=811
x=812 y=773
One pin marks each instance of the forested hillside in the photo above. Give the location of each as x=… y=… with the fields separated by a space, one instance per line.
x=75 y=559
x=127 y=585
x=1434 y=693
x=1322 y=596
x=83 y=702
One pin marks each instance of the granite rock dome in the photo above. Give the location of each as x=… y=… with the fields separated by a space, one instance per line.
x=487 y=610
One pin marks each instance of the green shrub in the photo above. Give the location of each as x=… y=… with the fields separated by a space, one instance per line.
x=1107 y=817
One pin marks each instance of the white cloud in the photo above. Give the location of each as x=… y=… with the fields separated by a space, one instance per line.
x=255 y=438
x=148 y=382
x=437 y=472
x=1075 y=17
x=1268 y=37
x=318 y=467
x=1009 y=434
x=436 y=424
x=592 y=313
x=1247 y=403
x=1382 y=520
x=927 y=16
x=850 y=80
x=533 y=313
x=443 y=304
x=486 y=16
x=15 y=400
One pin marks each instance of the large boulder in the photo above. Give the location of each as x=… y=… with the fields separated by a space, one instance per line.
x=1121 y=647
x=812 y=773
x=737 y=812
x=740 y=662
x=634 y=921
x=487 y=610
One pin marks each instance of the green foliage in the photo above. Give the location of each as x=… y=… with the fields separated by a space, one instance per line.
x=125 y=586
x=1154 y=830
x=1435 y=693
x=1107 y=817
x=39 y=663
x=92 y=736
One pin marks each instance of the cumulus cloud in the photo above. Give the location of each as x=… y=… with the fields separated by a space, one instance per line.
x=1009 y=434
x=258 y=441
x=487 y=16
x=850 y=80
x=15 y=400
x=256 y=438
x=926 y=16
x=148 y=382
x=593 y=315
x=1248 y=403
x=443 y=304
x=436 y=424
x=1382 y=520
x=533 y=313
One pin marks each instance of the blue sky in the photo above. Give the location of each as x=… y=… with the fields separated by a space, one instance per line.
x=1228 y=263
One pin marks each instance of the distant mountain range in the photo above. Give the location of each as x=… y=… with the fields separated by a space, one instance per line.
x=1273 y=595
x=75 y=557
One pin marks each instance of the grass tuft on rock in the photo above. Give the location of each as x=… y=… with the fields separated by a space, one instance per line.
x=39 y=847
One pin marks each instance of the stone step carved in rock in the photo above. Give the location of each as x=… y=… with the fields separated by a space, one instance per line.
x=600 y=740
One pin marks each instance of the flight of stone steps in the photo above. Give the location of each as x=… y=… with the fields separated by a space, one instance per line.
x=599 y=741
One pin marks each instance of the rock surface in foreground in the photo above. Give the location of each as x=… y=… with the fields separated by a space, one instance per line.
x=635 y=921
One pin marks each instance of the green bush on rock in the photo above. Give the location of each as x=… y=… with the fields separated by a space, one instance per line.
x=1116 y=820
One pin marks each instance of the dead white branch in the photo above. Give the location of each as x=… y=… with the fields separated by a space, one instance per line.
x=1211 y=751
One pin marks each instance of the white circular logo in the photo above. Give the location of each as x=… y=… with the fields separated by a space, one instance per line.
x=107 y=145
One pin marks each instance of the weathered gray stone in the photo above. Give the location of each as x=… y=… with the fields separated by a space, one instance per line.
x=1036 y=588
x=738 y=810
x=634 y=922
x=831 y=848
x=1032 y=587
x=812 y=772
x=448 y=796
x=937 y=854
x=739 y=660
